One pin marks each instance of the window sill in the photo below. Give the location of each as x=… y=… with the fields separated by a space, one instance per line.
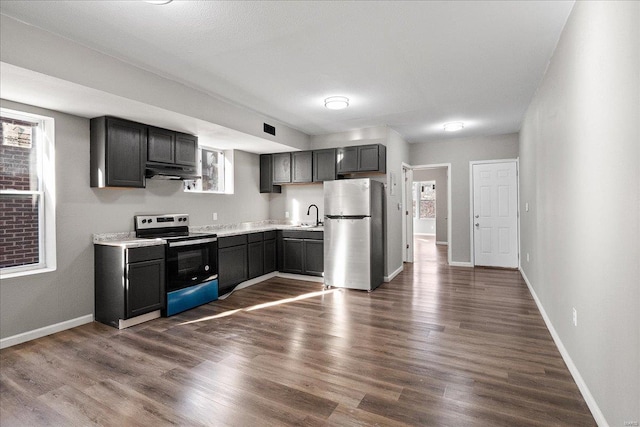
x=21 y=273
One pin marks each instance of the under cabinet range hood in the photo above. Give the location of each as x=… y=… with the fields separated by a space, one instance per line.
x=175 y=172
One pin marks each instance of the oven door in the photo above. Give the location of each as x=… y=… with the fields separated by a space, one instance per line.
x=191 y=262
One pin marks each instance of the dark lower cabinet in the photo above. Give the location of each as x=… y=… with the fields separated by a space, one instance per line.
x=270 y=254
x=292 y=255
x=232 y=262
x=313 y=257
x=301 y=252
x=255 y=250
x=140 y=270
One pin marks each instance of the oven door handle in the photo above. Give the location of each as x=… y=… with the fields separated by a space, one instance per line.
x=192 y=242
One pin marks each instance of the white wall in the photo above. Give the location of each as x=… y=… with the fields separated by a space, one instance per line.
x=439 y=175
x=459 y=152
x=579 y=166
x=62 y=58
x=31 y=302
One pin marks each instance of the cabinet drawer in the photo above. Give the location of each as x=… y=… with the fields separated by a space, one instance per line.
x=269 y=235
x=255 y=237
x=145 y=253
x=225 y=242
x=300 y=234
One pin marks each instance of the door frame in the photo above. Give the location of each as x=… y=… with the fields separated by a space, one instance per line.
x=407 y=226
x=471 y=228
x=447 y=166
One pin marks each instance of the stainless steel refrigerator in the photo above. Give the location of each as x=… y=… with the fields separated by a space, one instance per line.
x=354 y=233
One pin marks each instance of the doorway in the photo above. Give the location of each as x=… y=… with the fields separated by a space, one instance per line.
x=494 y=213
x=423 y=184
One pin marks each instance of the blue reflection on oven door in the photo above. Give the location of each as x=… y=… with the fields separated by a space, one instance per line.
x=193 y=296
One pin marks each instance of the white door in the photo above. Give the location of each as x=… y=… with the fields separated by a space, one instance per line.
x=495 y=214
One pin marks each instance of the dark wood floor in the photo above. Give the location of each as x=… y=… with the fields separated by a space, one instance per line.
x=438 y=346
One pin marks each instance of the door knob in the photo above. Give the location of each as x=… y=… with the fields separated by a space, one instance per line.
x=477 y=216
x=477 y=224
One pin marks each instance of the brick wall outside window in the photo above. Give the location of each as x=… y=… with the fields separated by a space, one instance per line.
x=19 y=222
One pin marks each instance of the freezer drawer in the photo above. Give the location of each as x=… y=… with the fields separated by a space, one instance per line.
x=347 y=253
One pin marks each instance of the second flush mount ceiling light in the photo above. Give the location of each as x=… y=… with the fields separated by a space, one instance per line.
x=336 y=102
x=453 y=126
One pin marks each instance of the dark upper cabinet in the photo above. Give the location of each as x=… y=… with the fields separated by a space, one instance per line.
x=169 y=147
x=186 y=149
x=301 y=166
x=118 y=153
x=362 y=158
x=266 y=175
x=281 y=168
x=347 y=159
x=324 y=165
x=161 y=145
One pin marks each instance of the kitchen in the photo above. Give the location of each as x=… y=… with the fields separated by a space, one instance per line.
x=55 y=298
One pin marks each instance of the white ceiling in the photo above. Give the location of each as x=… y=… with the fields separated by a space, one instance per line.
x=411 y=65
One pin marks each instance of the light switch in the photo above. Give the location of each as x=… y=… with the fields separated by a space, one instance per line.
x=526 y=206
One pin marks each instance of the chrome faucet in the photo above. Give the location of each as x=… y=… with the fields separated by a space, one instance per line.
x=317 y=214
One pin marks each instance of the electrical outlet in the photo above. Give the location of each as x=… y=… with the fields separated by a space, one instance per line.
x=575 y=317
x=527 y=256
x=286 y=214
x=215 y=216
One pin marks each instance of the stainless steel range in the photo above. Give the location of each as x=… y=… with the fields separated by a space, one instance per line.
x=191 y=260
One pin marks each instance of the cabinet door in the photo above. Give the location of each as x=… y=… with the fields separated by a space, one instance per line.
x=281 y=168
x=292 y=255
x=313 y=257
x=269 y=256
x=266 y=173
x=368 y=159
x=232 y=267
x=324 y=165
x=347 y=159
x=160 y=145
x=144 y=287
x=301 y=166
x=185 y=151
x=256 y=259
x=126 y=149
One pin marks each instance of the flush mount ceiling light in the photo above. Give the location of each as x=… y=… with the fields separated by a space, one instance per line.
x=336 y=102
x=453 y=126
x=158 y=1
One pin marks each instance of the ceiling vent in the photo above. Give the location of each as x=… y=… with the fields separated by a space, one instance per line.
x=271 y=130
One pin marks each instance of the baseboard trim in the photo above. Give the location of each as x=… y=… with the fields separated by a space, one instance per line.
x=301 y=277
x=442 y=243
x=44 y=331
x=582 y=386
x=392 y=276
x=461 y=264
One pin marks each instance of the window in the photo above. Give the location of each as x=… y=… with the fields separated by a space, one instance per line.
x=27 y=235
x=425 y=194
x=216 y=169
